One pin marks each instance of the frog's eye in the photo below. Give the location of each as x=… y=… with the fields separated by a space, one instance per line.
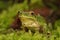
x=19 y=12
x=32 y=13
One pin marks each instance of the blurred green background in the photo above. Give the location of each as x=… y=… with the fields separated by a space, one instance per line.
x=9 y=8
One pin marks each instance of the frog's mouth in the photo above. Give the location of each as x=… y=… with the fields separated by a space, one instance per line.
x=28 y=17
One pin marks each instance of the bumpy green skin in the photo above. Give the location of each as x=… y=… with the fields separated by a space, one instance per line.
x=29 y=22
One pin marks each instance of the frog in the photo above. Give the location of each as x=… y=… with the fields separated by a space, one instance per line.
x=29 y=22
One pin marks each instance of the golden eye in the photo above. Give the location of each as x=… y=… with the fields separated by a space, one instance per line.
x=32 y=13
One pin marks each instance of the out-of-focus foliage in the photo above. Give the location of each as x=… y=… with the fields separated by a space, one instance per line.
x=7 y=17
x=5 y=4
x=53 y=4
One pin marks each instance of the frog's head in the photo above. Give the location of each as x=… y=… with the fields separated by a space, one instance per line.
x=26 y=14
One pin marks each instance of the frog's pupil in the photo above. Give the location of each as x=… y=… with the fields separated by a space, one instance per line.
x=32 y=13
